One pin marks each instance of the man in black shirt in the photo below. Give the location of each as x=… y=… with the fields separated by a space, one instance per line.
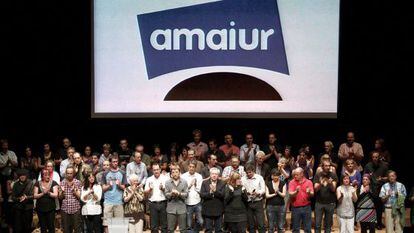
x=214 y=150
x=124 y=153
x=377 y=169
x=325 y=185
x=273 y=151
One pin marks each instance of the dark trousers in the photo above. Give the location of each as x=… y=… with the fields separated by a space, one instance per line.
x=236 y=227
x=182 y=222
x=46 y=221
x=23 y=220
x=213 y=223
x=275 y=218
x=365 y=226
x=158 y=216
x=93 y=223
x=255 y=214
x=379 y=207
x=302 y=215
x=320 y=209
x=71 y=222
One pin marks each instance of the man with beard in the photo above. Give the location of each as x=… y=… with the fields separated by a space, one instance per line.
x=325 y=186
x=176 y=192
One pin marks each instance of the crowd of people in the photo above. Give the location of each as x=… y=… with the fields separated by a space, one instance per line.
x=203 y=187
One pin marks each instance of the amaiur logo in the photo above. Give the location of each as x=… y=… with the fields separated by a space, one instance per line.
x=245 y=33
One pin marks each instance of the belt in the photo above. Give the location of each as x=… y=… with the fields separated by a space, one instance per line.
x=156 y=202
x=300 y=206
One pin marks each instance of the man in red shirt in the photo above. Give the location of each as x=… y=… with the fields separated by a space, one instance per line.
x=301 y=191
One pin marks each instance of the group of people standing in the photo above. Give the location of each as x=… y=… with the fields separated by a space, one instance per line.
x=205 y=187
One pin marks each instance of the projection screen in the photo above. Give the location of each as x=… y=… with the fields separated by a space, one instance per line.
x=212 y=58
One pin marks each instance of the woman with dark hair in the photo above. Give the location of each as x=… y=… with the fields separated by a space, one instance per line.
x=91 y=194
x=302 y=162
x=346 y=195
x=275 y=203
x=235 y=198
x=29 y=162
x=290 y=161
x=46 y=192
x=365 y=207
x=45 y=156
x=174 y=155
x=184 y=153
x=310 y=158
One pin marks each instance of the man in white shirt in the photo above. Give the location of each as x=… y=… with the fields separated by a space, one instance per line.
x=248 y=150
x=193 y=201
x=255 y=187
x=154 y=188
x=138 y=168
x=68 y=161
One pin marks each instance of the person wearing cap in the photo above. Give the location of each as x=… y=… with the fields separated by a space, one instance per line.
x=22 y=196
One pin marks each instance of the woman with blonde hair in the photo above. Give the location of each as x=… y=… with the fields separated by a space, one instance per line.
x=235 y=198
x=134 y=205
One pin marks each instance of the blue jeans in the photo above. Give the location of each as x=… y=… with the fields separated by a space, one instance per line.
x=304 y=215
x=194 y=209
x=275 y=217
x=213 y=223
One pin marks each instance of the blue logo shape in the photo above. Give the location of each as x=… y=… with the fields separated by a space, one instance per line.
x=226 y=33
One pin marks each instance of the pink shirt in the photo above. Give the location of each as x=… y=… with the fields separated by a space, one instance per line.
x=226 y=149
x=302 y=198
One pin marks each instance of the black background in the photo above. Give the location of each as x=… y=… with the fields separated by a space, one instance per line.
x=46 y=82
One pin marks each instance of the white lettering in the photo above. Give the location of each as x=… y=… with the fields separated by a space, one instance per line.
x=188 y=38
x=167 y=39
x=216 y=39
x=223 y=39
x=242 y=39
x=264 y=37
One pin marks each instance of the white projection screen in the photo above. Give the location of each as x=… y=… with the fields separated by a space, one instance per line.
x=212 y=58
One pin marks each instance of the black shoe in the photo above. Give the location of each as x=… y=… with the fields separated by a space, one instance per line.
x=379 y=227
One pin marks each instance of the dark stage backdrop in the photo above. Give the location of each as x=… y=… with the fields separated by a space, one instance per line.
x=46 y=92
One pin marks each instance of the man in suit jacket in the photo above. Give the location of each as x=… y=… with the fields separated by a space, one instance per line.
x=212 y=193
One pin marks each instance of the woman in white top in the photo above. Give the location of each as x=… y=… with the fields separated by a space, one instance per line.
x=91 y=211
x=346 y=195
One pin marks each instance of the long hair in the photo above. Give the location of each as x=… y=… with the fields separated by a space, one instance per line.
x=87 y=184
